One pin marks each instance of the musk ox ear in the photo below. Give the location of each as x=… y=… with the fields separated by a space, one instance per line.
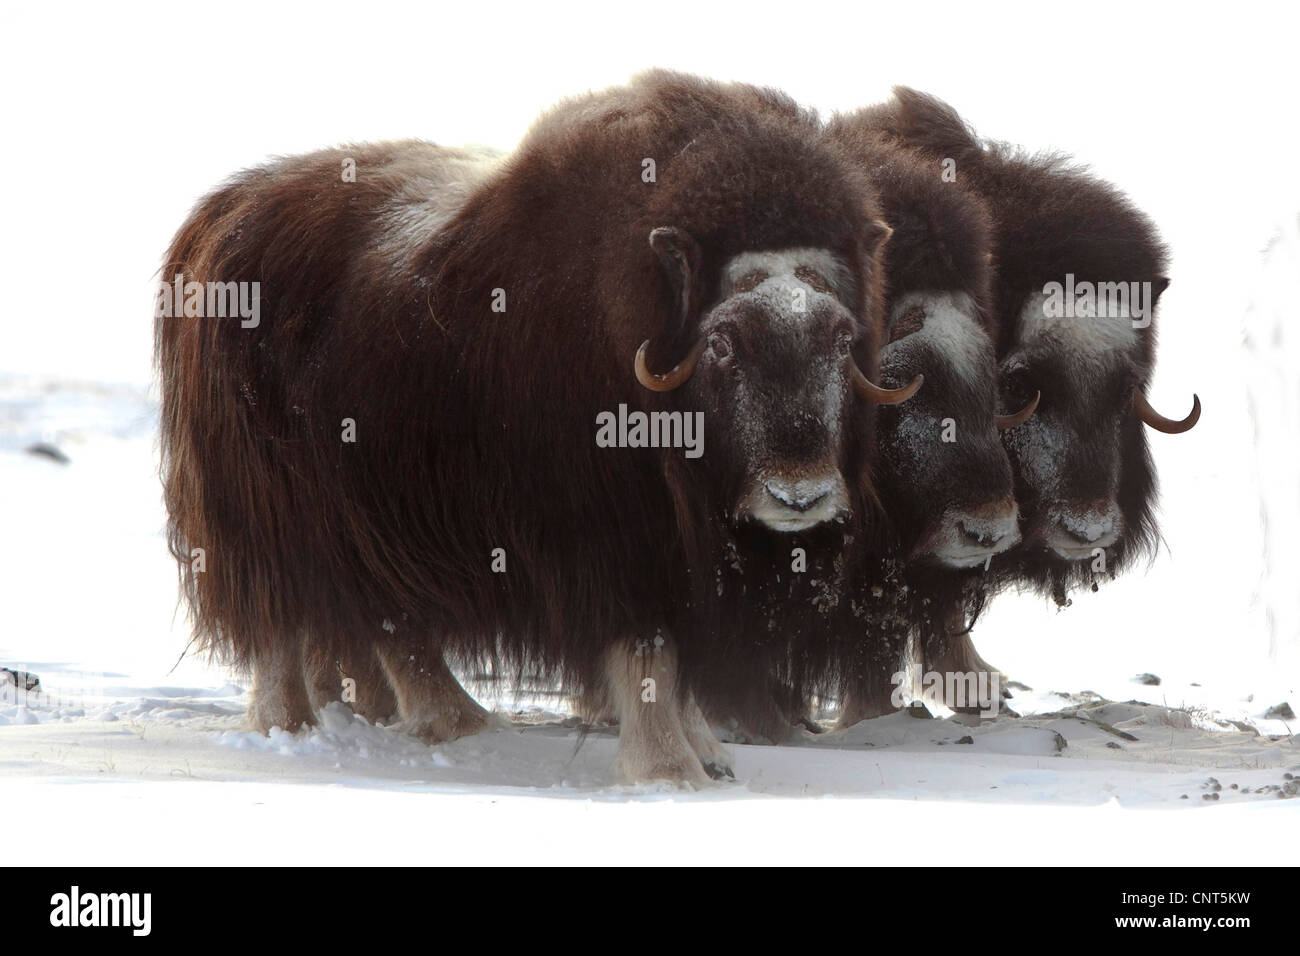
x=679 y=255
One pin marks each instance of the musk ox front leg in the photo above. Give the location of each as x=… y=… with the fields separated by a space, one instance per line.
x=714 y=757
x=643 y=684
x=353 y=676
x=869 y=697
x=954 y=653
x=869 y=691
x=279 y=696
x=595 y=707
x=430 y=701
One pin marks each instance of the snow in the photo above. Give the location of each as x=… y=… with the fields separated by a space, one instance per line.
x=135 y=751
x=127 y=724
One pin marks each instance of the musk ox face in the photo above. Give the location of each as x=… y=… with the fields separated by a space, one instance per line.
x=774 y=371
x=777 y=373
x=1084 y=476
x=943 y=471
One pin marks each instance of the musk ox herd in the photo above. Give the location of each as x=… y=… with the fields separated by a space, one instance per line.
x=696 y=405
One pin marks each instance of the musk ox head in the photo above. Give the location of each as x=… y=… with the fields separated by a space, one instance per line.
x=1084 y=477
x=774 y=368
x=943 y=472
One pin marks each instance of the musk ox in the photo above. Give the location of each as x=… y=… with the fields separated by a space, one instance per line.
x=399 y=461
x=941 y=472
x=1085 y=483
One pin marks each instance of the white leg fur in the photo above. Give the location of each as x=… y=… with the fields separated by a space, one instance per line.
x=643 y=687
x=957 y=654
x=279 y=696
x=715 y=758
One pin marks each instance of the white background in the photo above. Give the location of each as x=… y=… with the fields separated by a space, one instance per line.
x=114 y=121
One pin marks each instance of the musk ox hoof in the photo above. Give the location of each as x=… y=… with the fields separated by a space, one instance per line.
x=686 y=776
x=682 y=771
x=808 y=724
x=713 y=756
x=461 y=722
x=264 y=715
x=718 y=771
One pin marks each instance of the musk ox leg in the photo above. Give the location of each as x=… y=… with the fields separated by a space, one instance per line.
x=430 y=701
x=643 y=686
x=279 y=696
x=955 y=654
x=868 y=698
x=869 y=692
x=770 y=716
x=352 y=676
x=715 y=758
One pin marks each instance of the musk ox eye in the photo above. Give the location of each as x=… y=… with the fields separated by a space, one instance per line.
x=911 y=321
x=748 y=282
x=813 y=279
x=844 y=341
x=720 y=345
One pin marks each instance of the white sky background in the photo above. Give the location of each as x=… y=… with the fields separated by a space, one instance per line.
x=114 y=122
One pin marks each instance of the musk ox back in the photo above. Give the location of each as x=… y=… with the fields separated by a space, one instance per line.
x=400 y=456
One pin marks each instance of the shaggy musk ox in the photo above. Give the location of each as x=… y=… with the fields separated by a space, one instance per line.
x=941 y=472
x=675 y=246
x=1085 y=482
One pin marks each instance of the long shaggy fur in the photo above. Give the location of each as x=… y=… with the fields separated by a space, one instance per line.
x=475 y=428
x=1052 y=217
x=858 y=613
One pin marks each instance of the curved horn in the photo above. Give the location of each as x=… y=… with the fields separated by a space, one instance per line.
x=1019 y=418
x=883 y=396
x=1157 y=421
x=668 y=380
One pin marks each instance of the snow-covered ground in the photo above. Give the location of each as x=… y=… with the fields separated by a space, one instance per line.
x=128 y=729
x=133 y=752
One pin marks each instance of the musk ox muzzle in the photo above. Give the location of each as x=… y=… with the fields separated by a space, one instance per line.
x=967 y=537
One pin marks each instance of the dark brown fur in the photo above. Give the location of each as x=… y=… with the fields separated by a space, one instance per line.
x=866 y=615
x=475 y=428
x=943 y=242
x=1052 y=218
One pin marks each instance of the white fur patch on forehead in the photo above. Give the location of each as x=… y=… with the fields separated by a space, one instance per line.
x=1110 y=330
x=951 y=329
x=785 y=263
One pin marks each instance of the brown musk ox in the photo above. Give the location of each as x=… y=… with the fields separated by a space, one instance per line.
x=673 y=224
x=941 y=472
x=1085 y=482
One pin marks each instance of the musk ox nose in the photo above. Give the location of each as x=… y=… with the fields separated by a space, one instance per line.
x=1076 y=529
x=784 y=503
x=799 y=495
x=982 y=535
x=965 y=537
